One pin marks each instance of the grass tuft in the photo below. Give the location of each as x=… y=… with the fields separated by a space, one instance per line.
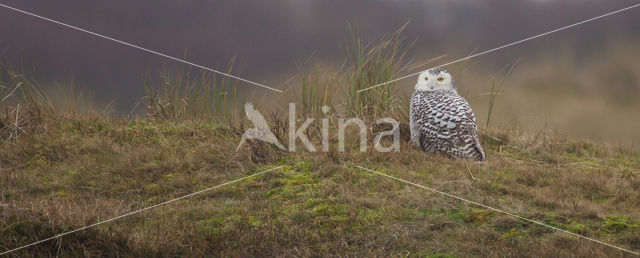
x=369 y=64
x=494 y=91
x=189 y=95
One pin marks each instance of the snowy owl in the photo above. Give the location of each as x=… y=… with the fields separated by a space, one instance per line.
x=441 y=121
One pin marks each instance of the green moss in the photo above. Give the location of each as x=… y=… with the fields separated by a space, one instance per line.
x=325 y=209
x=151 y=188
x=577 y=228
x=555 y=220
x=256 y=222
x=304 y=166
x=62 y=193
x=615 y=224
x=475 y=216
x=479 y=216
x=294 y=184
x=70 y=172
x=459 y=215
x=37 y=161
x=514 y=234
x=370 y=216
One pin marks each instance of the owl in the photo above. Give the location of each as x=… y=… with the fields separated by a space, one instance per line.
x=441 y=121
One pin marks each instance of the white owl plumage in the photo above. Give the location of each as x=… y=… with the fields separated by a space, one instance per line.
x=441 y=121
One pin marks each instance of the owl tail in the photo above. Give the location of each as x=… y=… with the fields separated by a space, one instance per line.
x=478 y=151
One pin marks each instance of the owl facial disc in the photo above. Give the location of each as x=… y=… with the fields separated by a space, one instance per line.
x=435 y=79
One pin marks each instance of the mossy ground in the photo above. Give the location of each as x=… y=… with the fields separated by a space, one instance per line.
x=81 y=171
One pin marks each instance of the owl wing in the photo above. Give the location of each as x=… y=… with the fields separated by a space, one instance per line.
x=467 y=139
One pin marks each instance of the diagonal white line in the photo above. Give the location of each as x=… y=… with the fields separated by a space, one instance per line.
x=139 y=47
x=494 y=209
x=138 y=211
x=507 y=45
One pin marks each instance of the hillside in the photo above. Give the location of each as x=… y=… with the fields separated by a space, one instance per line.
x=84 y=169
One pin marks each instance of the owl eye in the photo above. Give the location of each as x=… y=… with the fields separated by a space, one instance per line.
x=440 y=79
x=426 y=78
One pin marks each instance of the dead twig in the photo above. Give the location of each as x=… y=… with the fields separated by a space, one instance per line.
x=469 y=169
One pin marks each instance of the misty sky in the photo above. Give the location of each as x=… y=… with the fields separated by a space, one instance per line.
x=272 y=38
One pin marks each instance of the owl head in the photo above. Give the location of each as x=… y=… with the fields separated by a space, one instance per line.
x=435 y=79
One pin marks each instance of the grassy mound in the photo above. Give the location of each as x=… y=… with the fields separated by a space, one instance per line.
x=83 y=170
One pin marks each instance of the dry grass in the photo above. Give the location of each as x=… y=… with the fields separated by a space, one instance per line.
x=23 y=107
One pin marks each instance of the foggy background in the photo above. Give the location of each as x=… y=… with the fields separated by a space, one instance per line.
x=274 y=38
